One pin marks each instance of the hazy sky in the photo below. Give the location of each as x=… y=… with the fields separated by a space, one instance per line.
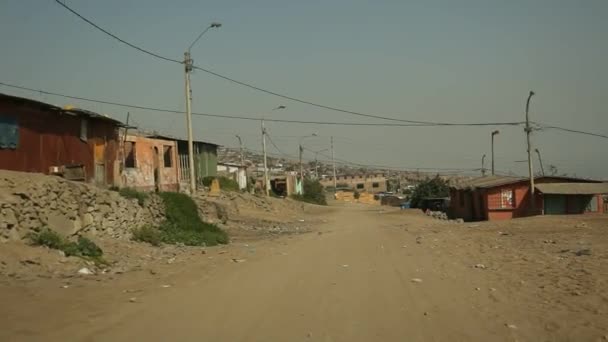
x=448 y=60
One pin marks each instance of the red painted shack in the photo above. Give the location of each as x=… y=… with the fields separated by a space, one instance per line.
x=40 y=137
x=503 y=197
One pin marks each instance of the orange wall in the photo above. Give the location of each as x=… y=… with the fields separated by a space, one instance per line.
x=142 y=175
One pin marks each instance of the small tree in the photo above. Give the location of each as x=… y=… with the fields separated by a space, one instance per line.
x=430 y=187
x=313 y=192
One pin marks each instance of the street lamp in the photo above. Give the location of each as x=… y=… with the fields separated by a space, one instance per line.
x=493 y=134
x=266 y=180
x=188 y=69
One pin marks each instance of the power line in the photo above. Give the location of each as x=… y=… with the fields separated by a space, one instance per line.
x=116 y=37
x=275 y=145
x=291 y=98
x=353 y=112
x=236 y=117
x=573 y=131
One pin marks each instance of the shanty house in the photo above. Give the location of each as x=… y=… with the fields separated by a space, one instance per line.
x=234 y=171
x=74 y=143
x=149 y=164
x=205 y=159
x=503 y=197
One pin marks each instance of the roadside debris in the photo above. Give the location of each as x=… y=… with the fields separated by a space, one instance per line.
x=238 y=260
x=30 y=262
x=416 y=280
x=511 y=326
x=582 y=252
x=85 y=271
x=480 y=266
x=344 y=265
x=133 y=300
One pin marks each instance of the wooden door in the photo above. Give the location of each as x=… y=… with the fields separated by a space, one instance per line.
x=99 y=152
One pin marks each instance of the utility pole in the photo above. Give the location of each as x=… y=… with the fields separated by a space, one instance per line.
x=317 y=162
x=333 y=161
x=188 y=70
x=266 y=181
x=301 y=168
x=241 y=149
x=264 y=133
x=188 y=66
x=493 y=134
x=316 y=167
x=540 y=161
x=302 y=152
x=483 y=165
x=530 y=167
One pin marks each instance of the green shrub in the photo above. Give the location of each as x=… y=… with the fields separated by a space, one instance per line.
x=148 y=234
x=83 y=247
x=47 y=238
x=132 y=193
x=228 y=184
x=183 y=224
x=431 y=187
x=313 y=193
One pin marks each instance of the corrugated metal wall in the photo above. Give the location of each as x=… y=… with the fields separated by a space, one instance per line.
x=51 y=139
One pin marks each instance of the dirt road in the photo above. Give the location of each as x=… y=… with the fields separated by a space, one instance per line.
x=363 y=275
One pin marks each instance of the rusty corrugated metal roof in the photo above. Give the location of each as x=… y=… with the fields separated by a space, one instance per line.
x=67 y=110
x=572 y=188
x=488 y=182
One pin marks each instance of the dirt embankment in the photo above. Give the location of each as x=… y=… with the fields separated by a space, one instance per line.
x=33 y=202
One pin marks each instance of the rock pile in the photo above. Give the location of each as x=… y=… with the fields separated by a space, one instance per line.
x=30 y=202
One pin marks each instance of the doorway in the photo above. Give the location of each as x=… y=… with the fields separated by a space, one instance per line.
x=156 y=167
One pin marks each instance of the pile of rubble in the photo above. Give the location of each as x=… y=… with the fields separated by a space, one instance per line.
x=440 y=215
x=31 y=202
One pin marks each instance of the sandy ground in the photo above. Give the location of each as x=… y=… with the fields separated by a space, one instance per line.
x=361 y=274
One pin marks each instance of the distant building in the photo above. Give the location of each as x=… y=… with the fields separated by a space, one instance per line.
x=234 y=171
x=502 y=197
x=373 y=183
x=70 y=142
